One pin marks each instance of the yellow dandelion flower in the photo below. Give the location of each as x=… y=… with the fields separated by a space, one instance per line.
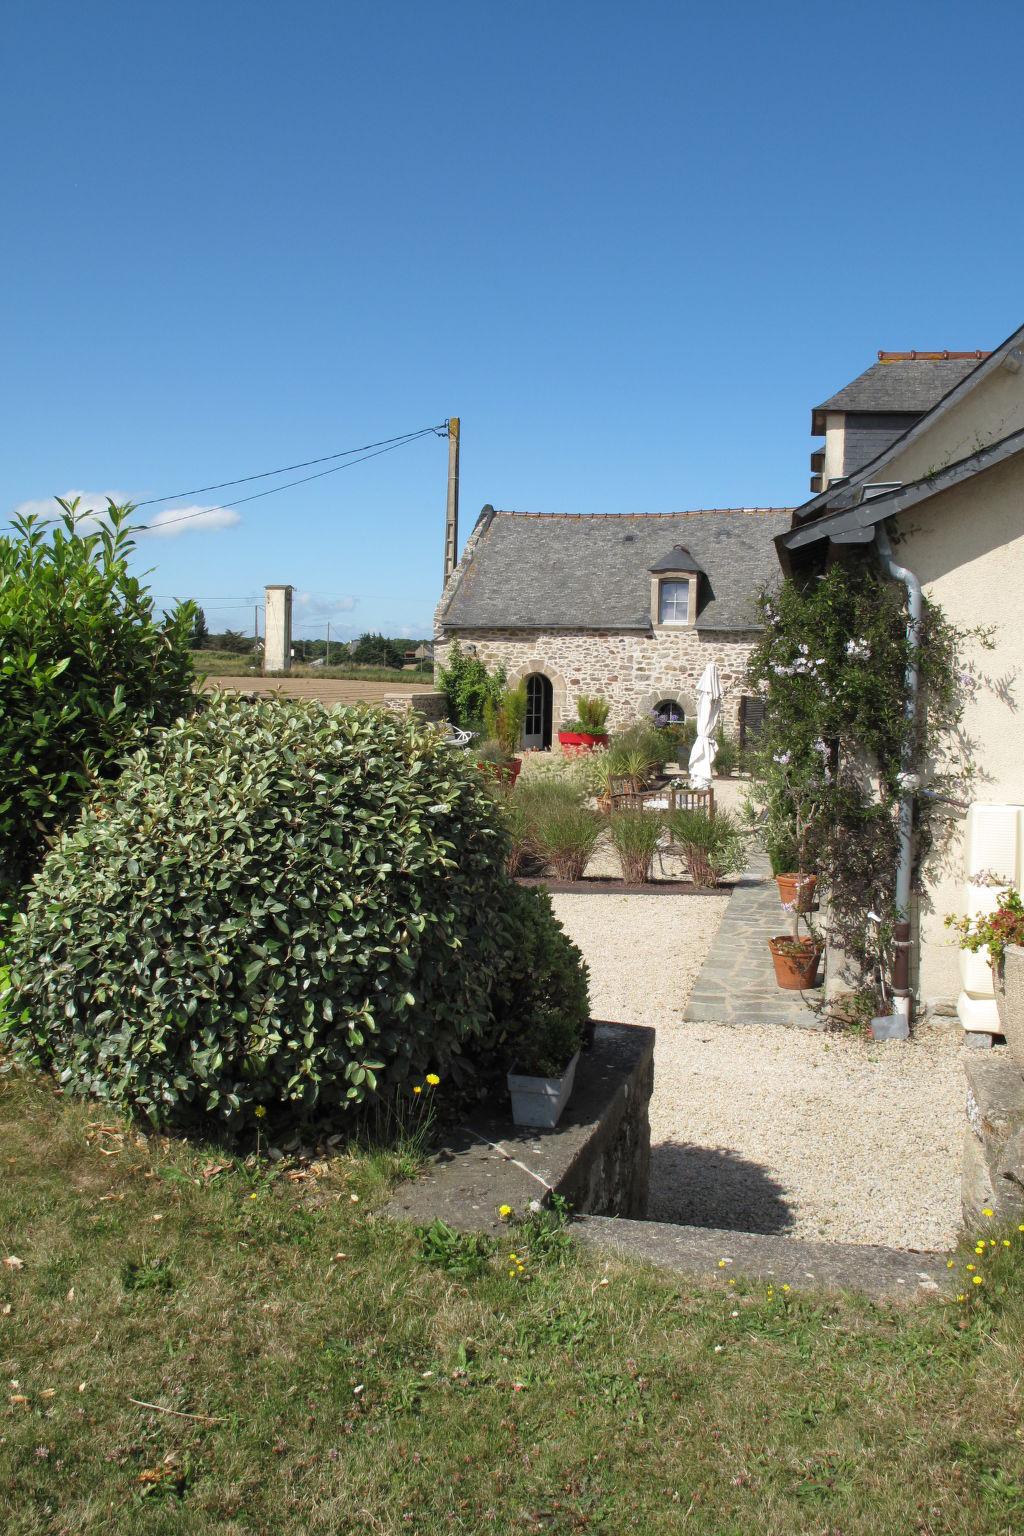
x=978 y=1280
x=260 y=1111
x=504 y=1211
x=785 y=1287
x=969 y=1268
x=433 y=1079
x=987 y=1212
x=961 y=1298
x=417 y=1089
x=1006 y=1242
x=949 y=1263
x=721 y=1263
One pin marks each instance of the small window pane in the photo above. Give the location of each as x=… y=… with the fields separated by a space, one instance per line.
x=674 y=602
x=668 y=712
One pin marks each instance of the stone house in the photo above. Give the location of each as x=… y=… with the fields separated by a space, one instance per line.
x=628 y=606
x=948 y=487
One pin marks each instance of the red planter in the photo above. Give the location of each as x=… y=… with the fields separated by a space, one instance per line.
x=505 y=773
x=795 y=961
x=580 y=741
x=796 y=892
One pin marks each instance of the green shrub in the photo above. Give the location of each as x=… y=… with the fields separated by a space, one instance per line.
x=634 y=835
x=565 y=836
x=591 y=716
x=543 y=1003
x=277 y=906
x=468 y=687
x=86 y=670
x=711 y=845
x=727 y=754
x=637 y=752
x=504 y=714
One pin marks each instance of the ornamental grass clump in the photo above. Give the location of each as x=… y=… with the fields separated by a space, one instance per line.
x=711 y=845
x=276 y=908
x=565 y=836
x=635 y=835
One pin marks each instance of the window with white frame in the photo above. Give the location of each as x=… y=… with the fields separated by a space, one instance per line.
x=674 y=602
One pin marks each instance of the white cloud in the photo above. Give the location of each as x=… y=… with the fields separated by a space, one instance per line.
x=158 y=525
x=176 y=520
x=313 y=606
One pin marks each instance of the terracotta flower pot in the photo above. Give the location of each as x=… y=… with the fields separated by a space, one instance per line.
x=580 y=741
x=795 y=961
x=796 y=892
x=1008 y=980
x=505 y=773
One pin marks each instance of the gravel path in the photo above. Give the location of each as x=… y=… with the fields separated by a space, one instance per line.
x=773 y=1129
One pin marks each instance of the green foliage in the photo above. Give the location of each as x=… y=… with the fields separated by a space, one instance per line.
x=634 y=835
x=462 y=1254
x=636 y=753
x=837 y=749
x=378 y=651
x=504 y=714
x=277 y=908
x=200 y=635
x=993 y=930
x=87 y=669
x=591 y=716
x=565 y=833
x=543 y=1001
x=727 y=754
x=712 y=845
x=468 y=686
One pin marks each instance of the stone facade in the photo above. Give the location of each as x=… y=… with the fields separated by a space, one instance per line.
x=634 y=671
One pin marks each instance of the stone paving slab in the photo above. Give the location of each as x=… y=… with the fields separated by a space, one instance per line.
x=884 y=1274
x=737 y=983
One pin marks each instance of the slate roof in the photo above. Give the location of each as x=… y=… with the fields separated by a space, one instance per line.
x=899 y=383
x=527 y=570
x=678 y=558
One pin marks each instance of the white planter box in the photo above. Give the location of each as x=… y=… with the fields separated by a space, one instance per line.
x=539 y=1101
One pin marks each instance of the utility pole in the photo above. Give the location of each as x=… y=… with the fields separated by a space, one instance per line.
x=328 y=661
x=451 y=526
x=256 y=622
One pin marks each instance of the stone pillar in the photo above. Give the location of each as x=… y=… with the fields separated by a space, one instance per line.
x=277 y=643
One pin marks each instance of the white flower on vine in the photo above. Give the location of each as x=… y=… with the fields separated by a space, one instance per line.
x=858 y=650
x=907 y=782
x=782 y=758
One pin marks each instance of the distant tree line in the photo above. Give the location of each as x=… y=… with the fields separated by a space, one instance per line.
x=370 y=650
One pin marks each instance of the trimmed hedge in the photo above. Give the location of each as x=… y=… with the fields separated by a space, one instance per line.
x=277 y=904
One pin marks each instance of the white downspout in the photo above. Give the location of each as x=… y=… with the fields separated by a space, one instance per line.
x=901 y=980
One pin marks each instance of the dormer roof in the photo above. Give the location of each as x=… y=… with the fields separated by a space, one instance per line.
x=677 y=559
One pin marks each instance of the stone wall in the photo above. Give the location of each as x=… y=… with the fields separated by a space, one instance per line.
x=634 y=671
x=993 y=1167
x=432 y=706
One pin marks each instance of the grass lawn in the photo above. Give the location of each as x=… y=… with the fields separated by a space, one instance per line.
x=228 y=664
x=329 y=1381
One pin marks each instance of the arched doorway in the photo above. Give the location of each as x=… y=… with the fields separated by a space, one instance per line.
x=539 y=709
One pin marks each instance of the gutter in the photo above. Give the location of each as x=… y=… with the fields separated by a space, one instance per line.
x=901 y=961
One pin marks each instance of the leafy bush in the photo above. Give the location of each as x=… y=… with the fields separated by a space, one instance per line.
x=86 y=670
x=504 y=714
x=543 y=1004
x=276 y=904
x=637 y=752
x=711 y=845
x=468 y=687
x=635 y=834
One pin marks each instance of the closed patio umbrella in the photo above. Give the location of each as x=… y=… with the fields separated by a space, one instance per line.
x=709 y=707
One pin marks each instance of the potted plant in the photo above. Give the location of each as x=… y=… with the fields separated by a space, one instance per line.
x=1002 y=933
x=587 y=731
x=796 y=958
x=547 y=1007
x=493 y=761
x=503 y=720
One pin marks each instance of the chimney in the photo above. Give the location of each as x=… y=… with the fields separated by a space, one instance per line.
x=277 y=630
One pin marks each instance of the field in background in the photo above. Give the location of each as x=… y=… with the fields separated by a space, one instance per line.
x=230 y=664
x=313 y=684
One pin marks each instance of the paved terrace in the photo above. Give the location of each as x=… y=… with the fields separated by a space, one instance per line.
x=737 y=982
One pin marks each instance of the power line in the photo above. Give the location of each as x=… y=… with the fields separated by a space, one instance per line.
x=386 y=445
x=286 y=469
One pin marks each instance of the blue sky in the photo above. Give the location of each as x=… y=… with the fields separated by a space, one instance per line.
x=630 y=246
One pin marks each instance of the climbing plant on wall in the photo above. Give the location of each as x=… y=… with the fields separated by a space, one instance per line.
x=838 y=748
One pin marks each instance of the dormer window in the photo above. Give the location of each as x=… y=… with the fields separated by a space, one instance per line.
x=675 y=590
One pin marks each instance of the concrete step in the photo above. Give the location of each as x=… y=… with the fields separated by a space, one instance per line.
x=884 y=1274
